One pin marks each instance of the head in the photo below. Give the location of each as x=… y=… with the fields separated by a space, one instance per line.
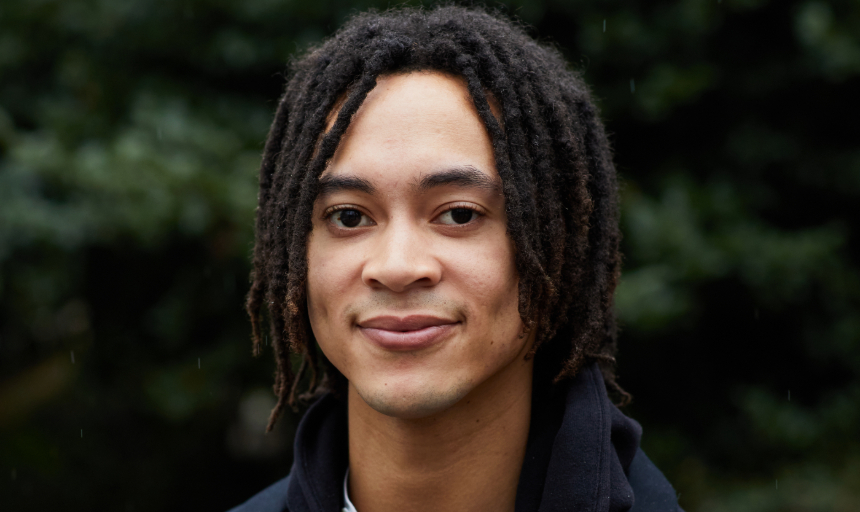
x=440 y=168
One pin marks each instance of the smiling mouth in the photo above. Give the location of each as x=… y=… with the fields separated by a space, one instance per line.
x=402 y=334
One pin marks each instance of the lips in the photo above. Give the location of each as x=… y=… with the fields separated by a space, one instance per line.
x=401 y=334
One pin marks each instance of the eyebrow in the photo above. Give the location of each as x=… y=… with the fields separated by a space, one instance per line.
x=463 y=176
x=332 y=184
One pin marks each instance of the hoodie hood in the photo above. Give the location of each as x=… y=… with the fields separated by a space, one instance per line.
x=582 y=454
x=580 y=449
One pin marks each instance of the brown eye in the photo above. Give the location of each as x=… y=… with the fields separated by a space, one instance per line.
x=458 y=216
x=350 y=218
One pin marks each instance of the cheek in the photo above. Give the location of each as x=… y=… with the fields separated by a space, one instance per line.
x=488 y=279
x=317 y=282
x=492 y=275
x=325 y=283
x=328 y=279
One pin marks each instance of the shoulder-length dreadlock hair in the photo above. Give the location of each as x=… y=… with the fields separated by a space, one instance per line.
x=551 y=153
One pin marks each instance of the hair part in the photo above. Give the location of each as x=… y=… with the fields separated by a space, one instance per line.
x=552 y=156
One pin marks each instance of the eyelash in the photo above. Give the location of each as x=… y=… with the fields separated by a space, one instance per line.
x=327 y=216
x=463 y=206
x=457 y=206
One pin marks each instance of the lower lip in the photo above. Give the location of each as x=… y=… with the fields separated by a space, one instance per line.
x=404 y=341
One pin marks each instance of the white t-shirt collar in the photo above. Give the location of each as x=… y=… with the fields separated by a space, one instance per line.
x=347 y=505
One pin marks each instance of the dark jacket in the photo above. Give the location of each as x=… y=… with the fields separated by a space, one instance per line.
x=583 y=455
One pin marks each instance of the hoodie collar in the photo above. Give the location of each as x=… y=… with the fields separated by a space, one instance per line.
x=320 y=458
x=579 y=451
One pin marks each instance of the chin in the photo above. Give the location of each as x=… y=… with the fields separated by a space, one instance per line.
x=412 y=403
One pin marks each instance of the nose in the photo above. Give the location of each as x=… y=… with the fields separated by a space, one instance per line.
x=401 y=260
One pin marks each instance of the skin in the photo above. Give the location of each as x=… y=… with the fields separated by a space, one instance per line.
x=411 y=224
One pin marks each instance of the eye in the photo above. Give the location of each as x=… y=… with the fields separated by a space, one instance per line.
x=459 y=215
x=350 y=218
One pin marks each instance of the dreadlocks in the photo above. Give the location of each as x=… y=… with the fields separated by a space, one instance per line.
x=551 y=153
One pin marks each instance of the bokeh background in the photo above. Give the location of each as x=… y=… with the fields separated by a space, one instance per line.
x=130 y=135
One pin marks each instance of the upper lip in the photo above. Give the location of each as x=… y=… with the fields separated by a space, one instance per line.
x=404 y=323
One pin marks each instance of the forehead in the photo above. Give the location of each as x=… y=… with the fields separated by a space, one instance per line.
x=412 y=123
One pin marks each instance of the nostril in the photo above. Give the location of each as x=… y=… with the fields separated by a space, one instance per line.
x=400 y=278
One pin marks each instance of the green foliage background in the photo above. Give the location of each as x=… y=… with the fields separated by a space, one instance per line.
x=130 y=134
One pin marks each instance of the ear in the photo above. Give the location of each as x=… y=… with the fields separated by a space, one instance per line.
x=529 y=331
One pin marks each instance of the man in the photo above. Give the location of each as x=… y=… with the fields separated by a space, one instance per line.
x=438 y=215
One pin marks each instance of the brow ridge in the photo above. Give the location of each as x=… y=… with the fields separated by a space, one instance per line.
x=332 y=184
x=463 y=176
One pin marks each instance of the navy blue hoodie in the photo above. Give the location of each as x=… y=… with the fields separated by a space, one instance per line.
x=582 y=454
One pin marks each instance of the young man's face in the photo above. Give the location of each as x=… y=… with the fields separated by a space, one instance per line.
x=412 y=288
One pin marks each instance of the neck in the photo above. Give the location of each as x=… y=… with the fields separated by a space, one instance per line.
x=466 y=458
